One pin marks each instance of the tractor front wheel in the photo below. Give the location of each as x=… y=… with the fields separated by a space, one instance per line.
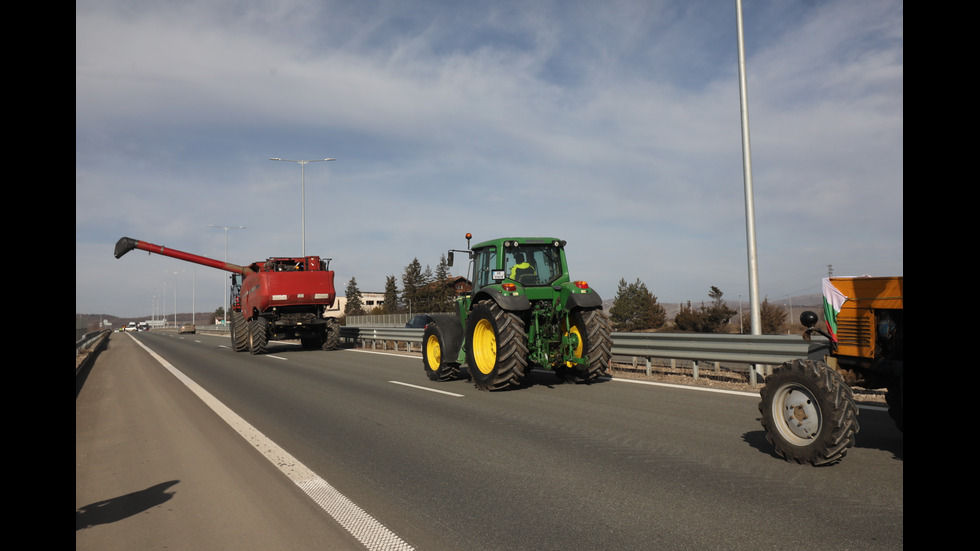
x=496 y=347
x=437 y=366
x=809 y=413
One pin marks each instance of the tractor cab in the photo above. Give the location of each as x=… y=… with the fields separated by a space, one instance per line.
x=528 y=261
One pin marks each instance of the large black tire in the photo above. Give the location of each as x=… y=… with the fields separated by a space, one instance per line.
x=438 y=367
x=258 y=335
x=239 y=332
x=594 y=334
x=809 y=413
x=331 y=337
x=496 y=347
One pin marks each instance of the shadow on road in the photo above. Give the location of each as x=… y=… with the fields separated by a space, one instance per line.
x=118 y=508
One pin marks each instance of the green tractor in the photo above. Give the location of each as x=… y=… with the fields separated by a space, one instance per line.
x=524 y=311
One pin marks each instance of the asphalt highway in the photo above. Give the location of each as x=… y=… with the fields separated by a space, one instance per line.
x=181 y=443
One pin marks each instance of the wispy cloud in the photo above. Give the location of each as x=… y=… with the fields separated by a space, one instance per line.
x=616 y=128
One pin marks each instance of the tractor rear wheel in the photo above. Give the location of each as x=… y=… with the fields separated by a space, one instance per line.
x=496 y=350
x=239 y=332
x=331 y=336
x=258 y=335
x=809 y=413
x=437 y=366
x=594 y=334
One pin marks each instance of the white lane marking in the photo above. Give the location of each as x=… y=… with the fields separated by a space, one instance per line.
x=383 y=353
x=426 y=388
x=274 y=356
x=723 y=391
x=360 y=524
x=686 y=387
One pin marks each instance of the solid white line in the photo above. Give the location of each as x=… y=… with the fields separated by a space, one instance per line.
x=723 y=391
x=426 y=388
x=652 y=383
x=686 y=387
x=360 y=524
x=383 y=353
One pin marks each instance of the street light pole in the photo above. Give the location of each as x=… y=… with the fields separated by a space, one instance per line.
x=226 y=228
x=302 y=165
x=175 y=297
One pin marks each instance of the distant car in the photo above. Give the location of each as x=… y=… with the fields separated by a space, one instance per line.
x=419 y=322
x=186 y=328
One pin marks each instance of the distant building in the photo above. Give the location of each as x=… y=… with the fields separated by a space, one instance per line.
x=369 y=301
x=460 y=285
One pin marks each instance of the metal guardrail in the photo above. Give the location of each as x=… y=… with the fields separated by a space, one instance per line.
x=750 y=349
x=382 y=335
x=757 y=351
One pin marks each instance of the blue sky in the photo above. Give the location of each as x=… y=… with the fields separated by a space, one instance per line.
x=615 y=127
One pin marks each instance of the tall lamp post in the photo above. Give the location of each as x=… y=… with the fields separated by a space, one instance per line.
x=175 y=296
x=754 y=307
x=302 y=165
x=226 y=228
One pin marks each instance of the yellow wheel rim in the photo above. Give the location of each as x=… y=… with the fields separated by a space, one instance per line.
x=433 y=353
x=484 y=346
x=579 y=346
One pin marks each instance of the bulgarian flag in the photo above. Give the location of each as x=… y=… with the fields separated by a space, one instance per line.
x=832 y=302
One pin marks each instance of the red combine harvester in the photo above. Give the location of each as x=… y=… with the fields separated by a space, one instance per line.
x=281 y=298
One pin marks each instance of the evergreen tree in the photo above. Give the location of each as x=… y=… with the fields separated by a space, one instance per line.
x=442 y=293
x=687 y=319
x=412 y=281
x=391 y=295
x=354 y=306
x=715 y=317
x=707 y=319
x=635 y=308
x=426 y=291
x=773 y=319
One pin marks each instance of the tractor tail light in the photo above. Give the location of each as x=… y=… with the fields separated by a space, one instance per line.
x=582 y=284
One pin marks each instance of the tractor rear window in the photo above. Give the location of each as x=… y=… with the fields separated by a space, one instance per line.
x=532 y=264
